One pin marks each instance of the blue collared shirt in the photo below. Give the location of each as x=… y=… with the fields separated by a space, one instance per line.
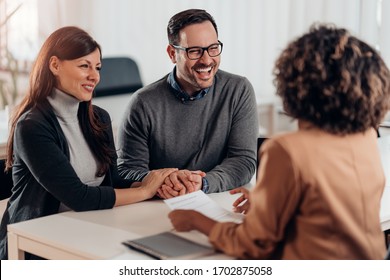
x=184 y=97
x=181 y=94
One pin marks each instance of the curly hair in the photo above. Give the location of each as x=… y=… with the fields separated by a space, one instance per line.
x=333 y=80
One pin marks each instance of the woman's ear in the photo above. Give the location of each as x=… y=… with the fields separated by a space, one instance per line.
x=54 y=65
x=172 y=53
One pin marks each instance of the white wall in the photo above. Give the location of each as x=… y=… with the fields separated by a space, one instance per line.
x=253 y=31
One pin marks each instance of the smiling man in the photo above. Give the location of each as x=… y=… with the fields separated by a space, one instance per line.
x=197 y=118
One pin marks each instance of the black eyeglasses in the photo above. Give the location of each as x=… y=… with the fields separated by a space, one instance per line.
x=197 y=52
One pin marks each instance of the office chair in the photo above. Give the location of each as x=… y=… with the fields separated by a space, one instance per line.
x=5 y=181
x=119 y=75
x=387 y=257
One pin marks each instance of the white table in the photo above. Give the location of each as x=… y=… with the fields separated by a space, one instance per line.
x=97 y=234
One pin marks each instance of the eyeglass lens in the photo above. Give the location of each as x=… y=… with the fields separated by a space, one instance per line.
x=213 y=50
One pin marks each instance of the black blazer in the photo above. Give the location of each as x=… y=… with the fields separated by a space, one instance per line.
x=43 y=176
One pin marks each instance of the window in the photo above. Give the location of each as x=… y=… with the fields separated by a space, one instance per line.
x=18 y=32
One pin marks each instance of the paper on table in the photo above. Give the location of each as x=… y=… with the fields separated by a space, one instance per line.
x=200 y=202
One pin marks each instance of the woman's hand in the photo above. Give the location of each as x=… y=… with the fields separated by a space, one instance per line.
x=182 y=220
x=241 y=205
x=136 y=185
x=187 y=220
x=144 y=190
x=154 y=180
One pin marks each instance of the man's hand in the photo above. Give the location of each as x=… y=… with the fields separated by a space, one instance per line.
x=181 y=182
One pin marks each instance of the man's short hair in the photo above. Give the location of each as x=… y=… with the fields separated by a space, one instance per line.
x=185 y=18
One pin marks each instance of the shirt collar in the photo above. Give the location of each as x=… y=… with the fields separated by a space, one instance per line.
x=179 y=93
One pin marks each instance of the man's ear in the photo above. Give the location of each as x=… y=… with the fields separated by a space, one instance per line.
x=172 y=53
x=54 y=65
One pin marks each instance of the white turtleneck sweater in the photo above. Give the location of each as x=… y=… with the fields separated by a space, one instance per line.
x=84 y=163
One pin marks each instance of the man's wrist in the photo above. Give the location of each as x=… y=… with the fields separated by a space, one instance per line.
x=205 y=185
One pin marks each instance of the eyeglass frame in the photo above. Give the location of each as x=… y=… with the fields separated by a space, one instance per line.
x=203 y=50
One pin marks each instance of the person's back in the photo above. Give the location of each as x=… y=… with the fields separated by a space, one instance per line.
x=334 y=195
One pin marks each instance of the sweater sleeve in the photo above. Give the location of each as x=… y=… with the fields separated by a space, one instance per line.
x=40 y=150
x=239 y=165
x=273 y=202
x=133 y=137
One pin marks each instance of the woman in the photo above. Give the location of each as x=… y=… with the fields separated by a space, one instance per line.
x=319 y=189
x=61 y=148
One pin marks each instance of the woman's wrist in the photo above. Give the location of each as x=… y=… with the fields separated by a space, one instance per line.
x=145 y=191
x=135 y=184
x=201 y=223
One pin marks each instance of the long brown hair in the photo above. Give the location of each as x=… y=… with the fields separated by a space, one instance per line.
x=66 y=43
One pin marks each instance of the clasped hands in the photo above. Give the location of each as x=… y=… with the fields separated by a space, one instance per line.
x=181 y=182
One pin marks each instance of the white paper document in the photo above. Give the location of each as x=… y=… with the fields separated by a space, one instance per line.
x=200 y=202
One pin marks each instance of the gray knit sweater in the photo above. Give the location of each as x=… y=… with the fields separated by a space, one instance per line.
x=216 y=134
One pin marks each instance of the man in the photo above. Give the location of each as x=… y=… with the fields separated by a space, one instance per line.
x=197 y=118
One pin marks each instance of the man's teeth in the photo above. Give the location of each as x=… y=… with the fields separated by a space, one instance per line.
x=204 y=69
x=89 y=87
